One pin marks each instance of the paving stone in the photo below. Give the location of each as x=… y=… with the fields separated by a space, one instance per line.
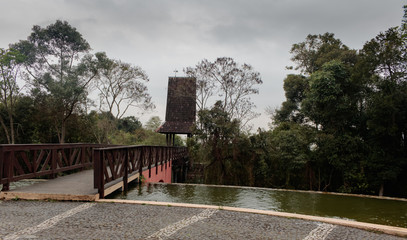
x=340 y=232
x=128 y=221
x=117 y=221
x=234 y=225
x=18 y=215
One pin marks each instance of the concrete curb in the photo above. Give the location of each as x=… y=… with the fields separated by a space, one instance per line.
x=397 y=231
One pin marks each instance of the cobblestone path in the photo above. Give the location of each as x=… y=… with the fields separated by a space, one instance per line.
x=77 y=220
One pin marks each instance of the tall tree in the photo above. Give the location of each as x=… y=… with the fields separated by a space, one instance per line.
x=329 y=102
x=295 y=87
x=56 y=62
x=290 y=150
x=316 y=50
x=121 y=86
x=10 y=63
x=327 y=95
x=206 y=85
x=233 y=82
x=385 y=59
x=310 y=56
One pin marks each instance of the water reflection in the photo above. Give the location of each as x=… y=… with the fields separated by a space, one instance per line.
x=182 y=192
x=381 y=211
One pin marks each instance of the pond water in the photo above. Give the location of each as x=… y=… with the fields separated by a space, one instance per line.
x=364 y=209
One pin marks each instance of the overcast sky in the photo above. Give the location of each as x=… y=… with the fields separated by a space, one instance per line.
x=163 y=36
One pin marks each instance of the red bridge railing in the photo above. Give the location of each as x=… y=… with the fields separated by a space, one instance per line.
x=22 y=161
x=114 y=163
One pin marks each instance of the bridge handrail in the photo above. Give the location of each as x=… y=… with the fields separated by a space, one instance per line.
x=114 y=163
x=23 y=161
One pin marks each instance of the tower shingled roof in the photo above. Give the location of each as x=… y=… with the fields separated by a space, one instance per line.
x=181 y=106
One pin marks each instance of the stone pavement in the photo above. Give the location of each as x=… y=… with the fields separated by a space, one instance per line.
x=79 y=220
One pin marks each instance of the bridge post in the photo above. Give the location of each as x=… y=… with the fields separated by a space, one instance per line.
x=126 y=172
x=150 y=154
x=83 y=155
x=157 y=154
x=98 y=180
x=4 y=168
x=7 y=168
x=95 y=156
x=54 y=162
x=165 y=157
x=35 y=163
x=140 y=170
x=162 y=158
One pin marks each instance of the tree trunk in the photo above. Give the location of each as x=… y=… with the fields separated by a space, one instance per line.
x=5 y=130
x=63 y=129
x=11 y=128
x=381 y=191
x=287 y=179
x=310 y=177
x=319 y=179
x=329 y=183
x=251 y=172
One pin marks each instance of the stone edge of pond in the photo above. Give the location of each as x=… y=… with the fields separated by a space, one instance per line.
x=293 y=190
x=397 y=231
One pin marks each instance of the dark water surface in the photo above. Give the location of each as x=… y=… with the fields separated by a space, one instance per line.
x=363 y=209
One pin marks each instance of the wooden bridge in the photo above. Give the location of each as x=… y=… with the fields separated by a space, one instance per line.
x=70 y=168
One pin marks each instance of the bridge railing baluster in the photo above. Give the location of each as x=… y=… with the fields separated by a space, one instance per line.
x=23 y=161
x=7 y=170
x=150 y=159
x=126 y=170
x=126 y=160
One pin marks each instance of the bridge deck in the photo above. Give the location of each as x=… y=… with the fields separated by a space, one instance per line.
x=74 y=187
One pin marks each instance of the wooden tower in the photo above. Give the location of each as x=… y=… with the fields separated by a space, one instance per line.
x=181 y=108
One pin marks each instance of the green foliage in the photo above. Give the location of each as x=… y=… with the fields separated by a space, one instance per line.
x=295 y=87
x=343 y=125
x=317 y=50
x=153 y=123
x=217 y=140
x=291 y=149
x=54 y=59
x=356 y=105
x=141 y=137
x=329 y=101
x=59 y=72
x=129 y=124
x=10 y=63
x=385 y=58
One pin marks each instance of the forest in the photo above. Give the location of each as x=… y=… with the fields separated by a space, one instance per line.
x=53 y=90
x=341 y=128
